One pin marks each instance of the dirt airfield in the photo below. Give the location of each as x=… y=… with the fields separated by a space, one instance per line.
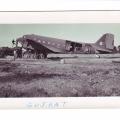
x=73 y=76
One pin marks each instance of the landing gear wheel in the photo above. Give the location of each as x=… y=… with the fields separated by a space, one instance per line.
x=44 y=55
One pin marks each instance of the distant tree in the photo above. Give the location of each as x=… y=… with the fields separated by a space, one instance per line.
x=4 y=51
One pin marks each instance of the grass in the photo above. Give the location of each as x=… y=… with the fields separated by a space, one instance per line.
x=59 y=80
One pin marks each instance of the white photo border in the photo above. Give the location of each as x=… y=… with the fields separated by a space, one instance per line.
x=60 y=17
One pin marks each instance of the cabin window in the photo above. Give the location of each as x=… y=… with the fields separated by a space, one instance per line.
x=48 y=42
x=102 y=43
x=43 y=41
x=58 y=45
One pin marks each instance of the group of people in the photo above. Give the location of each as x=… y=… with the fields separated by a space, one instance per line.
x=21 y=53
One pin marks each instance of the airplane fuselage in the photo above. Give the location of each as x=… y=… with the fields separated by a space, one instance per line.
x=35 y=44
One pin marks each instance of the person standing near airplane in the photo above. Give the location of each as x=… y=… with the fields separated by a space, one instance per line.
x=15 y=54
x=96 y=54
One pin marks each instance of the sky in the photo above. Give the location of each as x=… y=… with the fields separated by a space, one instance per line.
x=87 y=32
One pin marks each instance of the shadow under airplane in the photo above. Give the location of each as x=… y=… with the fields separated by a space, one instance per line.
x=40 y=46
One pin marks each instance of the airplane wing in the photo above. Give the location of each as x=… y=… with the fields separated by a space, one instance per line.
x=34 y=44
x=98 y=48
x=54 y=49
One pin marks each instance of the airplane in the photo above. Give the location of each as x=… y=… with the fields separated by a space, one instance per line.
x=40 y=46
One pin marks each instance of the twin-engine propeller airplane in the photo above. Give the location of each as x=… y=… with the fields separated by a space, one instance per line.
x=36 y=46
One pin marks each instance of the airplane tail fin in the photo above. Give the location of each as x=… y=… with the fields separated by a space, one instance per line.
x=106 y=41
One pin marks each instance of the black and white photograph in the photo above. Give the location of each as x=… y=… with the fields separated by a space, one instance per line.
x=60 y=60
x=53 y=55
